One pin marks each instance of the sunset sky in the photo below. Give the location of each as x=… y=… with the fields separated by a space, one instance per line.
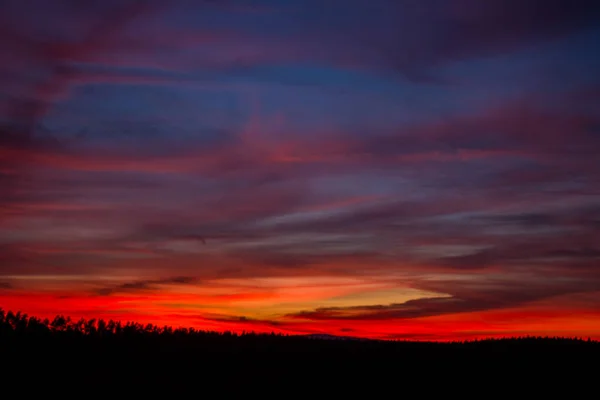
x=397 y=169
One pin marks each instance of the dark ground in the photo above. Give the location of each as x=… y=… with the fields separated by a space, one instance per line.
x=84 y=358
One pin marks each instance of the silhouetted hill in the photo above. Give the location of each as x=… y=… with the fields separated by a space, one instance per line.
x=324 y=336
x=111 y=354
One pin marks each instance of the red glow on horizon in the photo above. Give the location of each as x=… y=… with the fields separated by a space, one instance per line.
x=526 y=321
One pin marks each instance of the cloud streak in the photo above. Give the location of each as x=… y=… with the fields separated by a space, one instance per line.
x=145 y=285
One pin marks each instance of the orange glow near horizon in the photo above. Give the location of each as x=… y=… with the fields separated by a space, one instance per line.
x=184 y=310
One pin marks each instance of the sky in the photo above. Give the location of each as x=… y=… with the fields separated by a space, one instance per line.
x=392 y=169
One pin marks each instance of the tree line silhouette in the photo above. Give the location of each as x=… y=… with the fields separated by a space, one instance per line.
x=134 y=354
x=15 y=325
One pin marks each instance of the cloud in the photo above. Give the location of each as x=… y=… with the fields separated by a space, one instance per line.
x=145 y=285
x=408 y=38
x=480 y=295
x=251 y=322
x=502 y=133
x=511 y=131
x=470 y=28
x=56 y=56
x=249 y=191
x=394 y=37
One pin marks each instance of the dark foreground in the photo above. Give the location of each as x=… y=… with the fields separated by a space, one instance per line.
x=63 y=357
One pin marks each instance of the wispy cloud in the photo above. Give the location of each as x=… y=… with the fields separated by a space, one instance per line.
x=146 y=285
